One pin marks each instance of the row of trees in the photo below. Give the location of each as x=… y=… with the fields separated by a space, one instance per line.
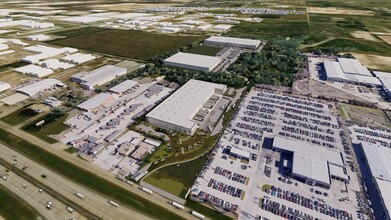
x=276 y=64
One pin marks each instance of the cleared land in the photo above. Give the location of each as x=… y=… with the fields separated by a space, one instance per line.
x=12 y=207
x=364 y=35
x=376 y=62
x=374 y=117
x=385 y=38
x=132 y=44
x=331 y=10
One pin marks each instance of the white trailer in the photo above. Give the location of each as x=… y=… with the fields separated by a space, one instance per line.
x=113 y=203
x=198 y=215
x=146 y=190
x=177 y=205
x=81 y=196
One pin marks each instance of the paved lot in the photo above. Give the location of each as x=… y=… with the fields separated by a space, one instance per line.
x=261 y=116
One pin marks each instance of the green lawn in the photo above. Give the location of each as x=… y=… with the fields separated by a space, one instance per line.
x=78 y=31
x=166 y=183
x=139 y=45
x=53 y=125
x=12 y=207
x=19 y=116
x=205 y=50
x=84 y=177
x=182 y=176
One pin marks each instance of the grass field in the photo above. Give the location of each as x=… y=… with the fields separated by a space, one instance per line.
x=53 y=125
x=84 y=177
x=205 y=50
x=369 y=116
x=132 y=44
x=12 y=207
x=176 y=179
x=19 y=116
x=269 y=28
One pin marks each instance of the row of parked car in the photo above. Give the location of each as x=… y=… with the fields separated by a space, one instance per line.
x=309 y=203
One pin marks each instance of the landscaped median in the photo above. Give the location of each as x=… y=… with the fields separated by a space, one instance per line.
x=84 y=177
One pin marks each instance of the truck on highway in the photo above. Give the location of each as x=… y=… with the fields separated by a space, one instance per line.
x=198 y=215
x=113 y=203
x=177 y=205
x=81 y=196
x=70 y=209
x=146 y=190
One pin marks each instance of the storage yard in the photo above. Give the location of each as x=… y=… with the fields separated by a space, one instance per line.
x=231 y=181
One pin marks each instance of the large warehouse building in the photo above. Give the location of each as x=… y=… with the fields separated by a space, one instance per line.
x=41 y=87
x=312 y=164
x=193 y=61
x=379 y=164
x=349 y=71
x=385 y=79
x=98 y=76
x=177 y=111
x=233 y=42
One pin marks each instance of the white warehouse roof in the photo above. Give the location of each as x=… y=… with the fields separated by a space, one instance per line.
x=101 y=76
x=353 y=66
x=95 y=101
x=179 y=108
x=4 y=86
x=34 y=70
x=378 y=158
x=334 y=70
x=40 y=86
x=233 y=41
x=193 y=61
x=124 y=86
x=78 y=58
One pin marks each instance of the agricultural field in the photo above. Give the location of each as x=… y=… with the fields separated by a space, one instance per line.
x=137 y=45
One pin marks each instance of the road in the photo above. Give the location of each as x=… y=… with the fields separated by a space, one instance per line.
x=35 y=199
x=58 y=150
x=93 y=202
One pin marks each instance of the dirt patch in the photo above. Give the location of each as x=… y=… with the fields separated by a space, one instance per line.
x=364 y=35
x=338 y=11
x=374 y=61
x=385 y=38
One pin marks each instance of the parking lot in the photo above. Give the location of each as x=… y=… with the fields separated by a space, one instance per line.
x=243 y=164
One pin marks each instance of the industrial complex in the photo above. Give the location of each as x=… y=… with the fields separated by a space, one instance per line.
x=194 y=110
x=185 y=110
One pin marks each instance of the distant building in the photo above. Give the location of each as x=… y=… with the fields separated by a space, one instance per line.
x=98 y=76
x=193 y=61
x=95 y=102
x=178 y=110
x=349 y=71
x=41 y=87
x=123 y=87
x=233 y=42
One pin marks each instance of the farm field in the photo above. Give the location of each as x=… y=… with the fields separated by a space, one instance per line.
x=131 y=44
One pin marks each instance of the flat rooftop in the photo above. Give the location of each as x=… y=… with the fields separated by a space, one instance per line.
x=180 y=107
x=193 y=60
x=334 y=70
x=378 y=158
x=234 y=40
x=353 y=66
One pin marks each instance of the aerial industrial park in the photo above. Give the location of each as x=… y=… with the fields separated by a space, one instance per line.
x=250 y=110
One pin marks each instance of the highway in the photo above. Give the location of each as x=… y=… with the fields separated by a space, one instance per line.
x=94 y=206
x=58 y=150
